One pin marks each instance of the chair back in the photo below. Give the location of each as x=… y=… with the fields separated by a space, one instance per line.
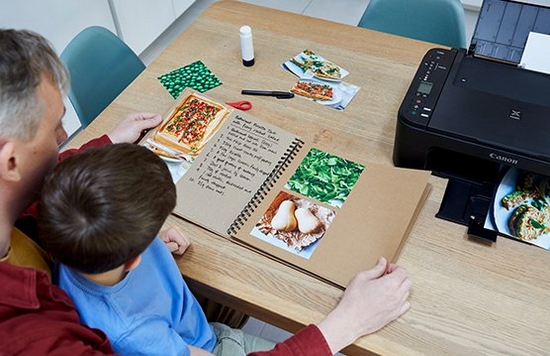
x=436 y=21
x=101 y=65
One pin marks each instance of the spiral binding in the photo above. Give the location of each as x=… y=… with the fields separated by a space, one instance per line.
x=266 y=186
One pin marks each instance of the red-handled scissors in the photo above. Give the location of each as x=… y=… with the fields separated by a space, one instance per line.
x=243 y=105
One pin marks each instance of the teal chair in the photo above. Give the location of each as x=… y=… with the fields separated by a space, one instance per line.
x=436 y=21
x=101 y=65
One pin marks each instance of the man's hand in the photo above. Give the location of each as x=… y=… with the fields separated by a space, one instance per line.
x=130 y=129
x=373 y=299
x=176 y=241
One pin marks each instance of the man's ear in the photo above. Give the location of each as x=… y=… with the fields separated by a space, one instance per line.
x=9 y=165
x=133 y=263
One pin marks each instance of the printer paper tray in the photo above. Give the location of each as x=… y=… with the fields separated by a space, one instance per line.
x=468 y=204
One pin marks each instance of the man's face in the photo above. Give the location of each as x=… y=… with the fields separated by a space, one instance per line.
x=39 y=155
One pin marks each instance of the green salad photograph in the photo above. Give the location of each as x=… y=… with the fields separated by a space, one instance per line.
x=325 y=177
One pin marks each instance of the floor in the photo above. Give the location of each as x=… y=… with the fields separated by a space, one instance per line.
x=349 y=12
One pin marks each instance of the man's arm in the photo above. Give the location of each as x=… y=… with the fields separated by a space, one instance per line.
x=372 y=300
x=308 y=341
x=128 y=130
x=96 y=142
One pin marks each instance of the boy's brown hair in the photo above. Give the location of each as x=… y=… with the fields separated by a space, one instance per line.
x=102 y=207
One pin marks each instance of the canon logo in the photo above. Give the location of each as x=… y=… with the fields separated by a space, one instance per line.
x=503 y=158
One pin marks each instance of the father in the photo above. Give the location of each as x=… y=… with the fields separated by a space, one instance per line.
x=36 y=317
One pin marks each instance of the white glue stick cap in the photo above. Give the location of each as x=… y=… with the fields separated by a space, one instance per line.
x=247 y=47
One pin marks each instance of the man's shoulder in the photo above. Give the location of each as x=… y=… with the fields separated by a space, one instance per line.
x=25 y=252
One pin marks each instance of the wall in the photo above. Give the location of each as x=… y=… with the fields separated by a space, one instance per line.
x=59 y=21
x=138 y=22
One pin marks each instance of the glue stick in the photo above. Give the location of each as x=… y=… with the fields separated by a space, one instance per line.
x=247 y=47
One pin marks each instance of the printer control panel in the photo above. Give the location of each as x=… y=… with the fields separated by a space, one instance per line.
x=420 y=100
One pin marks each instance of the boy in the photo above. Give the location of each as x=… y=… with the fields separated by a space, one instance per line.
x=99 y=215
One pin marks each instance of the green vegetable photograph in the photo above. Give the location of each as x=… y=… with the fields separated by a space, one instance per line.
x=325 y=177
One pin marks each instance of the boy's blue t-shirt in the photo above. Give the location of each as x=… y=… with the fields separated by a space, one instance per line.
x=150 y=312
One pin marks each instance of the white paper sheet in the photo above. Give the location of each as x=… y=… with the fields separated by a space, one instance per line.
x=536 y=55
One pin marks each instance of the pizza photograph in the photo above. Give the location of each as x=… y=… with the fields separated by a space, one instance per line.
x=185 y=131
x=190 y=125
x=309 y=89
x=294 y=224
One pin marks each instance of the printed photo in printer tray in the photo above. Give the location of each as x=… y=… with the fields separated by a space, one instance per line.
x=521 y=208
x=293 y=224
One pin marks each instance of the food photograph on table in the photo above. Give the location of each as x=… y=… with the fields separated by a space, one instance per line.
x=196 y=76
x=323 y=92
x=521 y=208
x=293 y=224
x=307 y=64
x=320 y=80
x=185 y=131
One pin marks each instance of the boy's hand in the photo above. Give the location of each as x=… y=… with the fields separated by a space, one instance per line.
x=176 y=241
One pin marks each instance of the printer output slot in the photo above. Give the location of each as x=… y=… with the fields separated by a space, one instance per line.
x=470 y=189
x=455 y=165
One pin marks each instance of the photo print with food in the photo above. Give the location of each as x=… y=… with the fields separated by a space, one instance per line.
x=521 y=208
x=309 y=64
x=196 y=76
x=183 y=134
x=325 y=177
x=293 y=224
x=320 y=80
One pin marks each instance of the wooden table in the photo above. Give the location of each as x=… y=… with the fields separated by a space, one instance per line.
x=468 y=298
